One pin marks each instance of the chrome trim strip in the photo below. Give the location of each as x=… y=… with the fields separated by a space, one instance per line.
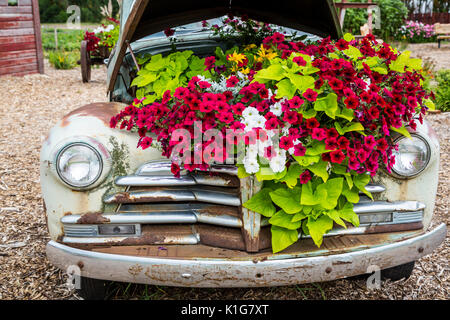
x=176 y=195
x=384 y=206
x=279 y=269
x=162 y=167
x=188 y=216
x=71 y=229
x=374 y=188
x=170 y=180
x=154 y=181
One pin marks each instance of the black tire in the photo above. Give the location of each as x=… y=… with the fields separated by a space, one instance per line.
x=92 y=289
x=402 y=271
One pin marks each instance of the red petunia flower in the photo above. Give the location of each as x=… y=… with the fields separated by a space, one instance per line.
x=312 y=123
x=337 y=156
x=318 y=134
x=351 y=102
x=305 y=177
x=169 y=32
x=310 y=95
x=145 y=142
x=296 y=102
x=299 y=150
x=232 y=81
x=300 y=61
x=175 y=169
x=290 y=117
x=286 y=143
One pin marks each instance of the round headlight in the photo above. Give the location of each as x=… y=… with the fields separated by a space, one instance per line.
x=412 y=156
x=79 y=165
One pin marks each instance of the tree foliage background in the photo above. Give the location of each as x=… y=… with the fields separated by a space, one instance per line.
x=55 y=10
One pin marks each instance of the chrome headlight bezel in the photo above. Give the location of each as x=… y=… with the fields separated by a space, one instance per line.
x=95 y=146
x=70 y=183
x=428 y=158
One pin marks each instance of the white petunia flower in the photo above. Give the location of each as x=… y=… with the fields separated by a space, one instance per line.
x=278 y=163
x=276 y=109
x=249 y=112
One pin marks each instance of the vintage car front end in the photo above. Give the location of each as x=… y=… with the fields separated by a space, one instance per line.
x=117 y=213
x=137 y=223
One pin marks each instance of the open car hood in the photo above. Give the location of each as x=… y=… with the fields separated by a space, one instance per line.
x=140 y=18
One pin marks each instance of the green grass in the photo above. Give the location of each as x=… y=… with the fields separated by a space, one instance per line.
x=68 y=40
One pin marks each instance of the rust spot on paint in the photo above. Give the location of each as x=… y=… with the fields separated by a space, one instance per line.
x=102 y=111
x=125 y=197
x=92 y=218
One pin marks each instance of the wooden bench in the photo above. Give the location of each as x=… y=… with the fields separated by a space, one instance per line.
x=442 y=31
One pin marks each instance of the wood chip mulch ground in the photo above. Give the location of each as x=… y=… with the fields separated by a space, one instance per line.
x=30 y=105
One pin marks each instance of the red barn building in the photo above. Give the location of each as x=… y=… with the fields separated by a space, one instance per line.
x=20 y=38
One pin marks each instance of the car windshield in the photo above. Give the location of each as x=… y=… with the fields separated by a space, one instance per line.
x=197 y=27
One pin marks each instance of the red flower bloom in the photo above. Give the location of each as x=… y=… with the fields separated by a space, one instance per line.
x=145 y=142
x=305 y=177
x=310 y=95
x=209 y=62
x=296 y=102
x=312 y=123
x=175 y=169
x=343 y=143
x=113 y=122
x=300 y=61
x=286 y=143
x=169 y=32
x=299 y=150
x=318 y=134
x=341 y=44
x=290 y=117
x=238 y=108
x=232 y=81
x=337 y=156
x=351 y=102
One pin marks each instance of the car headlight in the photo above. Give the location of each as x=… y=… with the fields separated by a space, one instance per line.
x=412 y=156
x=79 y=165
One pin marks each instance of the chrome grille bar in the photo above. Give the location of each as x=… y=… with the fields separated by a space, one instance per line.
x=188 y=217
x=175 y=195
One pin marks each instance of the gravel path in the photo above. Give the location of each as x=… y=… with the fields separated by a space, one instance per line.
x=440 y=56
x=32 y=104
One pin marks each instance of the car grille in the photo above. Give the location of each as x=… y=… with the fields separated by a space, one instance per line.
x=205 y=208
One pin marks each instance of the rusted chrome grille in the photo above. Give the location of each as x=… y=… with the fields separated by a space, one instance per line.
x=205 y=208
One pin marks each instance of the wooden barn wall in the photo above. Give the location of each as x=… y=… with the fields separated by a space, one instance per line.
x=20 y=38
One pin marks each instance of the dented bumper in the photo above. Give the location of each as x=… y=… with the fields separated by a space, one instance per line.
x=277 y=270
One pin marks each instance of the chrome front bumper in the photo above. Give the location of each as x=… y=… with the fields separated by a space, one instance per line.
x=278 y=270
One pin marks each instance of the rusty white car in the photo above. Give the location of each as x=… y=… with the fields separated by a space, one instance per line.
x=116 y=213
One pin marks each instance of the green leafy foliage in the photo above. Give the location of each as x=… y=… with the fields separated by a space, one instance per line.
x=443 y=90
x=261 y=203
x=166 y=73
x=63 y=59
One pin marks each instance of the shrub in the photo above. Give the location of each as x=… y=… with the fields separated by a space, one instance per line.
x=443 y=90
x=416 y=32
x=393 y=14
x=63 y=59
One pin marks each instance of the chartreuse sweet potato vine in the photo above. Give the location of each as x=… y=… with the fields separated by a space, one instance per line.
x=315 y=121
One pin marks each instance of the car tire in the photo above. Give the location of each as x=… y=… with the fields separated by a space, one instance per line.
x=402 y=271
x=92 y=289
